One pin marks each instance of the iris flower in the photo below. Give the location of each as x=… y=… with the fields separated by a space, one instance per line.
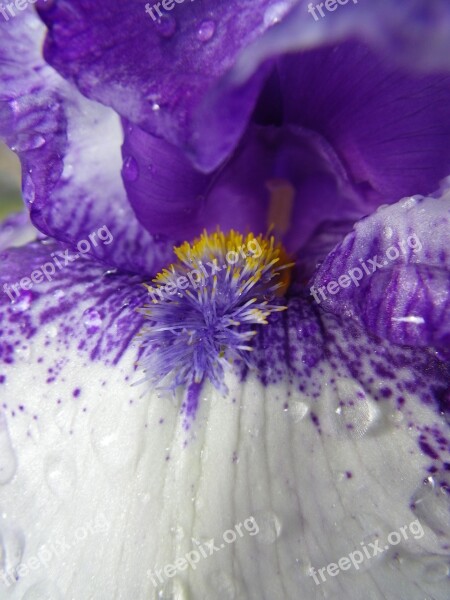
x=311 y=433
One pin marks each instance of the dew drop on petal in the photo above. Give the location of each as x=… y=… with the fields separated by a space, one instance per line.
x=12 y=545
x=435 y=568
x=130 y=169
x=166 y=26
x=388 y=232
x=29 y=189
x=275 y=13
x=52 y=331
x=110 y=273
x=92 y=320
x=356 y=412
x=300 y=570
x=206 y=30
x=23 y=301
x=269 y=527
x=65 y=417
x=431 y=504
x=8 y=460
x=177 y=533
x=28 y=142
x=174 y=590
x=116 y=446
x=23 y=352
x=298 y=411
x=60 y=475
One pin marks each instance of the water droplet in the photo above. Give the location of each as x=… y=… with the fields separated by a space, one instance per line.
x=23 y=352
x=298 y=411
x=23 y=301
x=65 y=417
x=357 y=413
x=206 y=30
x=300 y=571
x=12 y=545
x=275 y=13
x=116 y=446
x=269 y=527
x=154 y=99
x=60 y=475
x=178 y=533
x=43 y=591
x=435 y=568
x=395 y=417
x=58 y=294
x=110 y=273
x=431 y=504
x=145 y=498
x=68 y=170
x=174 y=590
x=166 y=26
x=34 y=432
x=52 y=331
x=28 y=142
x=8 y=460
x=92 y=320
x=130 y=169
x=388 y=232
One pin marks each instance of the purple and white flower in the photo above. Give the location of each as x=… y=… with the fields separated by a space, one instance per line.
x=334 y=135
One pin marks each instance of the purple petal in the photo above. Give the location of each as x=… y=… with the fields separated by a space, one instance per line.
x=329 y=413
x=169 y=76
x=393 y=273
x=70 y=153
x=77 y=304
x=413 y=33
x=288 y=178
x=391 y=129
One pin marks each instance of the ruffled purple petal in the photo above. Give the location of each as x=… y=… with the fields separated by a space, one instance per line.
x=47 y=289
x=170 y=76
x=392 y=273
x=391 y=129
x=286 y=178
x=166 y=193
x=413 y=33
x=70 y=153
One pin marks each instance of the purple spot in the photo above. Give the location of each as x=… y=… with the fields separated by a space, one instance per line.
x=427 y=449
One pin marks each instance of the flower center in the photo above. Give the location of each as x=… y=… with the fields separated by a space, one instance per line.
x=206 y=308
